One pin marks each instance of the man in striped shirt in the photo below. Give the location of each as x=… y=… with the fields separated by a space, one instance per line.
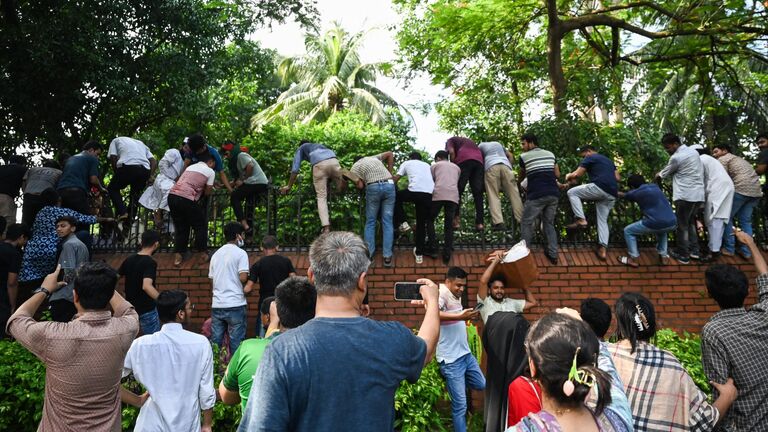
x=379 y=187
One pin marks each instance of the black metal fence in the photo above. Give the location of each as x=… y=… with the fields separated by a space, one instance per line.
x=293 y=220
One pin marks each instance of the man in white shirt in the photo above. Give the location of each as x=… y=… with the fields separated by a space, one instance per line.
x=229 y=272
x=176 y=368
x=419 y=192
x=496 y=284
x=133 y=165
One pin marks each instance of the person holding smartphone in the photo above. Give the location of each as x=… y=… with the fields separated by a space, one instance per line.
x=73 y=253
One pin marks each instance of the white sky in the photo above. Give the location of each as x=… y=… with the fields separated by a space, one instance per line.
x=380 y=45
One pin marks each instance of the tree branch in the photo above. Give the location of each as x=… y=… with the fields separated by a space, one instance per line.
x=607 y=20
x=632 y=5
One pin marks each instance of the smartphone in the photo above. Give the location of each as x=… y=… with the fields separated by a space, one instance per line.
x=405 y=291
x=477 y=307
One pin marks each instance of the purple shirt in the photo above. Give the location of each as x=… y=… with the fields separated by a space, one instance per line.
x=464 y=148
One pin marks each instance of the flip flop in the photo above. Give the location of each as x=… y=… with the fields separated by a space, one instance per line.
x=625 y=260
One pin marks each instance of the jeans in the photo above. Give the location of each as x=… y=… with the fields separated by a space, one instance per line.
x=458 y=375
x=449 y=208
x=603 y=202
x=501 y=177
x=687 y=240
x=186 y=215
x=149 y=322
x=473 y=172
x=544 y=208
x=633 y=230
x=422 y=202
x=741 y=212
x=135 y=176
x=379 y=197
x=250 y=193
x=233 y=320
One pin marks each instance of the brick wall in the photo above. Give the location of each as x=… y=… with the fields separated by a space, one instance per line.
x=677 y=291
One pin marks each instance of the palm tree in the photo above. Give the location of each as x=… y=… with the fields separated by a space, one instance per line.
x=330 y=77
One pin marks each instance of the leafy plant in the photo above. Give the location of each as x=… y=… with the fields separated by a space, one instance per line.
x=22 y=388
x=687 y=349
x=415 y=404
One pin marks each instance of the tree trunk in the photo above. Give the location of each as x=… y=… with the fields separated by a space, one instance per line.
x=555 y=58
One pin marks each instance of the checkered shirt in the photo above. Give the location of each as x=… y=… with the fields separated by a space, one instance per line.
x=734 y=344
x=662 y=395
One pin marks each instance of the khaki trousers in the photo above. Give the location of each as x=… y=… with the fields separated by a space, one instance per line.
x=323 y=171
x=501 y=177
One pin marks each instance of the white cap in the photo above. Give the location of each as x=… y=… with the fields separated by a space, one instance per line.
x=696 y=147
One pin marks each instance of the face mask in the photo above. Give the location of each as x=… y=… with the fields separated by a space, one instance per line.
x=240 y=242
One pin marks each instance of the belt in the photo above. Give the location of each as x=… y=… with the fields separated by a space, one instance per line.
x=390 y=181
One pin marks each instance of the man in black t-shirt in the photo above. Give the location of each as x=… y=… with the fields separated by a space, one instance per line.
x=10 y=265
x=140 y=271
x=269 y=271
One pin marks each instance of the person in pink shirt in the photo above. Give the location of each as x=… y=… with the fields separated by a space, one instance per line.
x=467 y=155
x=445 y=197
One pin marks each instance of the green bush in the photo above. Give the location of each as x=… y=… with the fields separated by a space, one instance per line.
x=415 y=404
x=22 y=388
x=687 y=349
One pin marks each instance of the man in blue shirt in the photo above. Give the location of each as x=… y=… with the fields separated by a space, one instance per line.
x=325 y=167
x=198 y=145
x=80 y=172
x=602 y=190
x=658 y=219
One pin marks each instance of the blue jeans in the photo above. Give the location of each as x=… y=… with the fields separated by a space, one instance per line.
x=635 y=229
x=230 y=319
x=379 y=197
x=458 y=375
x=149 y=322
x=741 y=212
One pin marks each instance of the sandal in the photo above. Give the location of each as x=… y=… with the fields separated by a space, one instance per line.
x=627 y=261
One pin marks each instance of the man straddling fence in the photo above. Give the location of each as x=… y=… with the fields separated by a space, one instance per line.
x=444 y=197
x=602 y=190
x=133 y=165
x=719 y=190
x=80 y=173
x=325 y=167
x=250 y=183
x=36 y=181
x=419 y=192
x=465 y=153
x=499 y=176
x=12 y=176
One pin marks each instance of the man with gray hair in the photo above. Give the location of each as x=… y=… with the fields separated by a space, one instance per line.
x=339 y=371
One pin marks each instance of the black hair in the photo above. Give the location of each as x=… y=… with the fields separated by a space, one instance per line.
x=50 y=163
x=169 y=303
x=204 y=156
x=296 y=299
x=635 y=181
x=635 y=318
x=49 y=197
x=63 y=157
x=95 y=284
x=531 y=138
x=68 y=219
x=497 y=277
x=3 y=224
x=265 y=305
x=442 y=154
x=93 y=145
x=725 y=147
x=597 y=314
x=18 y=160
x=304 y=141
x=356 y=158
x=414 y=155
x=455 y=273
x=149 y=237
x=670 y=138
x=727 y=285
x=232 y=230
x=703 y=151
x=269 y=242
x=762 y=135
x=553 y=342
x=587 y=147
x=17 y=230
x=196 y=142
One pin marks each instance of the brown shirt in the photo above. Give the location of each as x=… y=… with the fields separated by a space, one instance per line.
x=84 y=361
x=745 y=179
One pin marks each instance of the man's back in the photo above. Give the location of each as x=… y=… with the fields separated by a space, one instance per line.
x=130 y=151
x=333 y=374
x=446 y=175
x=419 y=176
x=77 y=172
x=226 y=265
x=539 y=166
x=11 y=177
x=269 y=271
x=176 y=367
x=136 y=268
x=494 y=154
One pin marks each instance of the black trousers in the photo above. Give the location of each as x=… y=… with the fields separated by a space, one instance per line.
x=449 y=209
x=473 y=172
x=687 y=237
x=135 y=176
x=75 y=199
x=62 y=310
x=30 y=208
x=250 y=193
x=423 y=204
x=187 y=214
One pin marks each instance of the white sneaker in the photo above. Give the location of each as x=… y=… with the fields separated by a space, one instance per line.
x=419 y=258
x=404 y=227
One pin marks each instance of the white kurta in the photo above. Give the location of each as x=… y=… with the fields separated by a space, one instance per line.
x=170 y=167
x=719 y=190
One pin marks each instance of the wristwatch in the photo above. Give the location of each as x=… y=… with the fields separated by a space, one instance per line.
x=42 y=290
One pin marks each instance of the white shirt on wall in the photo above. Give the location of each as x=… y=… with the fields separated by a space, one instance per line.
x=225 y=268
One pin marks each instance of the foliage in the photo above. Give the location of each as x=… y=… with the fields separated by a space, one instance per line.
x=415 y=404
x=22 y=388
x=329 y=78
x=687 y=349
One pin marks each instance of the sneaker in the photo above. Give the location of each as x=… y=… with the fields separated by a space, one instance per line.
x=679 y=258
x=177 y=259
x=498 y=227
x=446 y=257
x=695 y=256
x=404 y=227
x=387 y=261
x=552 y=259
x=419 y=258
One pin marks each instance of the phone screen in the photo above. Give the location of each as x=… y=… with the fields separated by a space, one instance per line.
x=405 y=291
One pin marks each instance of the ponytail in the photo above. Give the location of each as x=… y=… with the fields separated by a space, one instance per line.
x=602 y=385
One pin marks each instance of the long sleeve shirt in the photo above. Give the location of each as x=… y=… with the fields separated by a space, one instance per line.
x=687 y=173
x=312 y=153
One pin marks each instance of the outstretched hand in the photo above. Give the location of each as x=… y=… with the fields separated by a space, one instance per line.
x=743 y=237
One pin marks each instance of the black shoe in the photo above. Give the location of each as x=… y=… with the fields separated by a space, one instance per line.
x=713 y=256
x=431 y=253
x=387 y=261
x=679 y=258
x=498 y=227
x=552 y=259
x=695 y=256
x=446 y=257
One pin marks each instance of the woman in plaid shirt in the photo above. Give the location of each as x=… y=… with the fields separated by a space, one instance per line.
x=662 y=395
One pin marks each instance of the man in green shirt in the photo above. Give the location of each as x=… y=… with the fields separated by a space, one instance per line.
x=294 y=305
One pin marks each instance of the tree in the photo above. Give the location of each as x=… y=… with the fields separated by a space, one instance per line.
x=329 y=78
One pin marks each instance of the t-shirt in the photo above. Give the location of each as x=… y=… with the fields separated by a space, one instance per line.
x=73 y=253
x=333 y=374
x=762 y=159
x=494 y=154
x=193 y=181
x=601 y=172
x=657 y=212
x=242 y=366
x=39 y=179
x=135 y=268
x=257 y=176
x=268 y=272
x=130 y=152
x=11 y=177
x=491 y=306
x=446 y=176
x=10 y=262
x=539 y=166
x=312 y=153
x=78 y=171
x=419 y=176
x=217 y=167
x=371 y=169
x=226 y=265
x=464 y=148
x=523 y=398
x=453 y=342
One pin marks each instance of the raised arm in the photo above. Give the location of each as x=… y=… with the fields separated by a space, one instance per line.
x=747 y=239
x=430 y=326
x=577 y=173
x=494 y=259
x=530 y=300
